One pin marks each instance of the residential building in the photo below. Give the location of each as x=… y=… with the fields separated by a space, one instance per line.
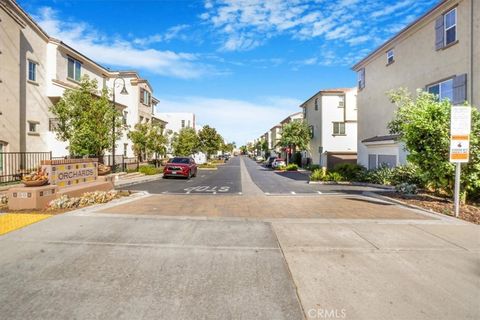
x=176 y=121
x=439 y=53
x=332 y=117
x=275 y=135
x=35 y=71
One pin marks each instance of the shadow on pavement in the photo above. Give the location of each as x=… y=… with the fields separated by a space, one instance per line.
x=294 y=175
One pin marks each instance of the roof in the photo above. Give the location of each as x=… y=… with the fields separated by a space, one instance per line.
x=290 y=116
x=333 y=90
x=401 y=32
x=382 y=138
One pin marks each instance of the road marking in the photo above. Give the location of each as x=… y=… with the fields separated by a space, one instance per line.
x=239 y=193
x=293 y=192
x=319 y=192
x=207 y=189
x=267 y=192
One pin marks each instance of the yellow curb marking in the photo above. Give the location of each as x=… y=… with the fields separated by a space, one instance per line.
x=13 y=221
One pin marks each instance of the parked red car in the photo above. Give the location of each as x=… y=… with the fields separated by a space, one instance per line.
x=180 y=167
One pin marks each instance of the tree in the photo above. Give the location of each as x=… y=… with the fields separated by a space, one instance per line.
x=424 y=126
x=210 y=140
x=85 y=117
x=295 y=135
x=186 y=142
x=157 y=141
x=139 y=138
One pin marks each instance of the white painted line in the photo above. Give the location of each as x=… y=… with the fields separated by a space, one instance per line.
x=214 y=192
x=319 y=192
x=267 y=192
x=293 y=192
x=239 y=193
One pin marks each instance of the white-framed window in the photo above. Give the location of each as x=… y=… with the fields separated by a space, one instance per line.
x=390 y=56
x=450 y=26
x=145 y=97
x=361 y=78
x=339 y=128
x=316 y=104
x=183 y=124
x=443 y=90
x=74 y=69
x=341 y=101
x=32 y=70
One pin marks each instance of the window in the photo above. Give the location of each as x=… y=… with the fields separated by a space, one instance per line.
x=1 y=157
x=390 y=56
x=125 y=114
x=338 y=128
x=312 y=133
x=450 y=23
x=32 y=126
x=32 y=71
x=74 y=69
x=141 y=119
x=52 y=124
x=145 y=97
x=189 y=123
x=341 y=101
x=316 y=103
x=125 y=148
x=443 y=90
x=361 y=78
x=183 y=123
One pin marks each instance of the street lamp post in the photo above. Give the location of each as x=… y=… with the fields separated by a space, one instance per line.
x=124 y=91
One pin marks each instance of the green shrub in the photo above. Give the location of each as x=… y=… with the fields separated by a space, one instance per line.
x=317 y=175
x=282 y=168
x=406 y=188
x=349 y=171
x=406 y=174
x=149 y=170
x=334 y=176
x=382 y=175
x=313 y=167
x=292 y=167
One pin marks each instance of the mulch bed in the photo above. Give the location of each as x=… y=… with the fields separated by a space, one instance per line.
x=469 y=212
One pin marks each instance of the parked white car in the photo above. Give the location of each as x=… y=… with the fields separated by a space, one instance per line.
x=277 y=163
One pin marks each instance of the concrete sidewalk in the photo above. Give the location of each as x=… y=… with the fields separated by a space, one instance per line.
x=372 y=271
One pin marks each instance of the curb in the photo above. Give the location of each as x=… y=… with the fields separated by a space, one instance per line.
x=130 y=183
x=359 y=184
x=432 y=213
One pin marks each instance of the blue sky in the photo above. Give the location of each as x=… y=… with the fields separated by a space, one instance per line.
x=240 y=65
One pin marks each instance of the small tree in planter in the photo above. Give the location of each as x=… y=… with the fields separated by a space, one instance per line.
x=296 y=135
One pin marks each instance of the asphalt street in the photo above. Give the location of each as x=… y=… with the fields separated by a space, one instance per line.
x=227 y=180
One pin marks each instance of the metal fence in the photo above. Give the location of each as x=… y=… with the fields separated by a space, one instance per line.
x=13 y=165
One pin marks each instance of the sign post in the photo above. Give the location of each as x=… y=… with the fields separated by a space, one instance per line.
x=460 y=127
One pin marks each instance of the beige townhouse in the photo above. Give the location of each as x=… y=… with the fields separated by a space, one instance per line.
x=332 y=117
x=35 y=70
x=439 y=53
x=275 y=135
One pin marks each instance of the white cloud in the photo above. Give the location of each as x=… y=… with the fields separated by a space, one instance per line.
x=246 y=24
x=122 y=53
x=235 y=120
x=175 y=32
